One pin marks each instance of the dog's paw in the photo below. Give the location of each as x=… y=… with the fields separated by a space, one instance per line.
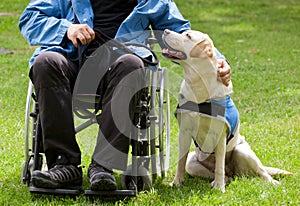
x=176 y=182
x=218 y=186
x=275 y=182
x=270 y=179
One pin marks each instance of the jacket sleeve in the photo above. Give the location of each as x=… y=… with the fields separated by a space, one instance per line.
x=159 y=14
x=46 y=22
x=166 y=15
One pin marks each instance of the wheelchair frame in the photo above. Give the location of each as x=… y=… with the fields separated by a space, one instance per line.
x=150 y=152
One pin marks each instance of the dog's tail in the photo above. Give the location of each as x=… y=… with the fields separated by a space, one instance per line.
x=275 y=171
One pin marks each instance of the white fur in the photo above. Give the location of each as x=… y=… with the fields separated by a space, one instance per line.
x=201 y=84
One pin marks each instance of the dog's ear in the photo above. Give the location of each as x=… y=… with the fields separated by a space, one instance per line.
x=202 y=49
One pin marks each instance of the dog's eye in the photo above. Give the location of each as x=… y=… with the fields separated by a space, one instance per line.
x=188 y=35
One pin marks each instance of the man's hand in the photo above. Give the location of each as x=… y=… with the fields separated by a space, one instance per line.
x=82 y=32
x=224 y=72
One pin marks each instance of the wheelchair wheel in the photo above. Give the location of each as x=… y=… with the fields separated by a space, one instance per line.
x=160 y=130
x=33 y=144
x=163 y=101
x=164 y=122
x=28 y=165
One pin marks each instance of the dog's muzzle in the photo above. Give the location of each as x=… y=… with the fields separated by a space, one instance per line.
x=173 y=54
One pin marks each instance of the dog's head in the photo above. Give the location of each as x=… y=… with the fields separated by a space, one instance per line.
x=194 y=50
x=187 y=45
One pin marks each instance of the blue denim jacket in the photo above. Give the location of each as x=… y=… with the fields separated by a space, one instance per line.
x=44 y=23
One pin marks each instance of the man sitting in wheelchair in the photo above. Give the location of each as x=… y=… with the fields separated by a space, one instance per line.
x=58 y=27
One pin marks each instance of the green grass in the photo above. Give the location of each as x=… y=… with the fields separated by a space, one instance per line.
x=261 y=41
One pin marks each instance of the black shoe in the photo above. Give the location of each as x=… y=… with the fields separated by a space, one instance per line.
x=58 y=177
x=101 y=178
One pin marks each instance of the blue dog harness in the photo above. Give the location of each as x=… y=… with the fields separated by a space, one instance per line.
x=222 y=108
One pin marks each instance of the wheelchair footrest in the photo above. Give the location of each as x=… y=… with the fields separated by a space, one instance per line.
x=110 y=193
x=61 y=192
x=72 y=192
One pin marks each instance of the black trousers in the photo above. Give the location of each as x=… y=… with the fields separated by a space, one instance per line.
x=54 y=77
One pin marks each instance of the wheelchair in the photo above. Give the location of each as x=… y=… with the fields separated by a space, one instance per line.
x=150 y=149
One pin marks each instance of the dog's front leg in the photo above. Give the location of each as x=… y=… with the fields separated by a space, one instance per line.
x=183 y=150
x=220 y=152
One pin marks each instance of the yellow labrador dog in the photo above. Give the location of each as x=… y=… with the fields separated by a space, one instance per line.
x=208 y=117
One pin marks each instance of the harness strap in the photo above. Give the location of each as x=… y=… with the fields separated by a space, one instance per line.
x=228 y=139
x=208 y=108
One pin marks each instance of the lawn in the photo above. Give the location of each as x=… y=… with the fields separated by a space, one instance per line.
x=261 y=40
